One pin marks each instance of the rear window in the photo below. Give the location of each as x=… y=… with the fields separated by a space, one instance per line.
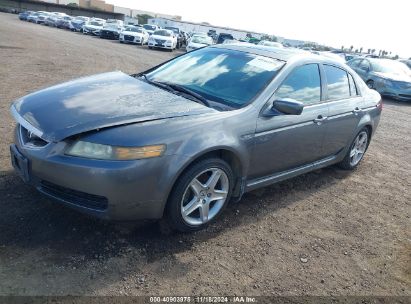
x=337 y=83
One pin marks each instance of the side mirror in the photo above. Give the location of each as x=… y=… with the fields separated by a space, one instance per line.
x=285 y=106
x=365 y=69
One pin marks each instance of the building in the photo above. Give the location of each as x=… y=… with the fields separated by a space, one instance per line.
x=135 y=12
x=202 y=27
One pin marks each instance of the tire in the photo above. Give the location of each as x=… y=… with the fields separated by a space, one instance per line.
x=121 y=41
x=370 y=84
x=352 y=159
x=207 y=187
x=150 y=47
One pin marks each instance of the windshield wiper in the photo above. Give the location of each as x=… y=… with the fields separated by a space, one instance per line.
x=175 y=87
x=183 y=89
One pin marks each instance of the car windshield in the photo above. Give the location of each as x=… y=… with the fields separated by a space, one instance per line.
x=201 y=39
x=223 y=76
x=390 y=66
x=162 y=33
x=149 y=27
x=134 y=29
x=96 y=23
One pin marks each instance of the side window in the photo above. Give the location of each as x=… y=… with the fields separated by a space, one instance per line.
x=354 y=63
x=365 y=65
x=303 y=84
x=353 y=87
x=337 y=83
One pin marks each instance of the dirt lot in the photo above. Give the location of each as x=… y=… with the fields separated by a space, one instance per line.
x=352 y=230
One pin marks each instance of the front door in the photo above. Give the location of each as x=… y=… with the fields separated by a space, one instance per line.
x=284 y=142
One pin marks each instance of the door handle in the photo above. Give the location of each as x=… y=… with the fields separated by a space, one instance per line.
x=357 y=110
x=320 y=119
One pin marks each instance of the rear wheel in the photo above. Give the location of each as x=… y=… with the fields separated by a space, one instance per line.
x=357 y=150
x=200 y=195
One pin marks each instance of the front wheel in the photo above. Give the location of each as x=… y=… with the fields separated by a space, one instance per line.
x=357 y=150
x=200 y=195
x=370 y=84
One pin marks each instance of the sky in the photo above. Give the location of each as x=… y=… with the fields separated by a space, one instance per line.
x=371 y=24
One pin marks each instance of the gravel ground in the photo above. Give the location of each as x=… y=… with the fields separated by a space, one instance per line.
x=329 y=232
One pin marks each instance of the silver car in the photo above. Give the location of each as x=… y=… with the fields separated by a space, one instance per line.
x=389 y=77
x=184 y=138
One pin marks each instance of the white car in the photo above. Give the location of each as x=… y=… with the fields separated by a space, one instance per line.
x=197 y=41
x=270 y=43
x=119 y=23
x=134 y=34
x=151 y=28
x=93 y=27
x=164 y=39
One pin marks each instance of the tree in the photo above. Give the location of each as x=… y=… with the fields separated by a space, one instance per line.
x=369 y=51
x=143 y=19
x=342 y=48
x=351 y=47
x=372 y=51
x=396 y=57
x=360 y=49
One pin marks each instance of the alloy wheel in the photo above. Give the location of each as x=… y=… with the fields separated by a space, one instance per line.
x=205 y=196
x=358 y=148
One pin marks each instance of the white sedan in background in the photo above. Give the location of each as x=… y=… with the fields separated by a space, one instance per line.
x=93 y=27
x=198 y=41
x=134 y=34
x=270 y=43
x=164 y=39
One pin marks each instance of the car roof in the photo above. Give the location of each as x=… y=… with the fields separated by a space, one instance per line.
x=283 y=54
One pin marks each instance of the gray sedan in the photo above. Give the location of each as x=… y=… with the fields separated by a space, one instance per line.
x=182 y=139
x=389 y=77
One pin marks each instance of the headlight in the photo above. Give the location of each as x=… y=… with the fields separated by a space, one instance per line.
x=106 y=152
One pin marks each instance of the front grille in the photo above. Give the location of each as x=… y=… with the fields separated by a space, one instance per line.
x=30 y=140
x=159 y=41
x=74 y=197
x=128 y=38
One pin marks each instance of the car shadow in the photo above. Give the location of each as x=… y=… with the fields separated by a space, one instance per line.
x=29 y=222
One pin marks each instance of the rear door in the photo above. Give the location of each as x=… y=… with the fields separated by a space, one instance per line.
x=287 y=141
x=345 y=109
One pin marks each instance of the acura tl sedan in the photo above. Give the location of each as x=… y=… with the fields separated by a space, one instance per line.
x=389 y=77
x=179 y=141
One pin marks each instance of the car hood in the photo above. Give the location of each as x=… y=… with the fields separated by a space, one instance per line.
x=135 y=34
x=394 y=76
x=99 y=101
x=94 y=27
x=162 y=37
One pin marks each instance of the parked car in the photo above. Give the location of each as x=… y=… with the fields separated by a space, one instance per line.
x=42 y=17
x=389 y=77
x=64 y=22
x=111 y=31
x=23 y=15
x=407 y=62
x=181 y=39
x=196 y=42
x=92 y=27
x=270 y=43
x=51 y=20
x=76 y=24
x=33 y=16
x=164 y=39
x=133 y=34
x=119 y=23
x=150 y=28
x=206 y=127
x=223 y=36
